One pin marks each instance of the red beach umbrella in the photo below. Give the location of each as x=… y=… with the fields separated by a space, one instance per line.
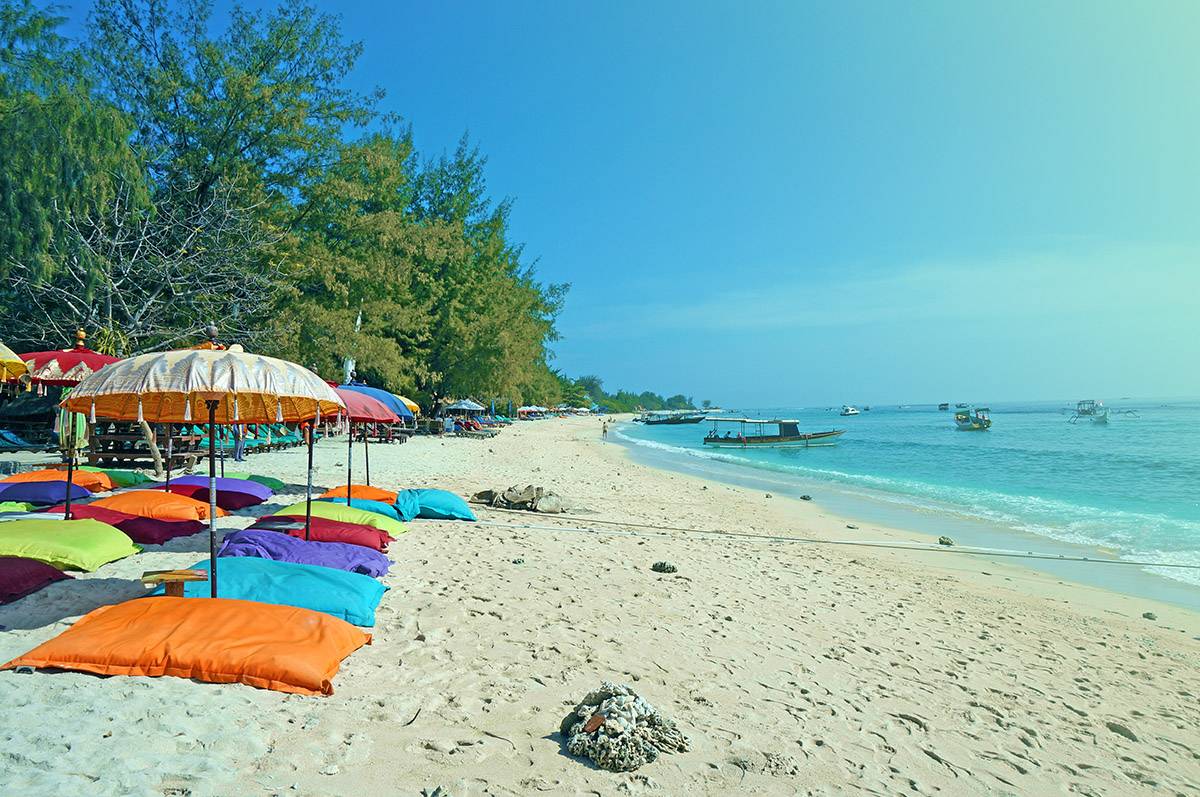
x=361 y=408
x=65 y=366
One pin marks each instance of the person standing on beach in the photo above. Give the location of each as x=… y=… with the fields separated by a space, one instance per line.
x=604 y=431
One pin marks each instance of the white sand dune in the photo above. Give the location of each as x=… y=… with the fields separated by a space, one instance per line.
x=793 y=669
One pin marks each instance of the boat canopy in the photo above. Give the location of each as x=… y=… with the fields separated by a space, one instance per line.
x=753 y=420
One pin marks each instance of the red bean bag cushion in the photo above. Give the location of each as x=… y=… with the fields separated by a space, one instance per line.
x=20 y=577
x=220 y=640
x=142 y=530
x=157 y=504
x=326 y=530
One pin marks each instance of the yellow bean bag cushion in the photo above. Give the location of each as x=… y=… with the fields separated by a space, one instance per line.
x=345 y=514
x=66 y=544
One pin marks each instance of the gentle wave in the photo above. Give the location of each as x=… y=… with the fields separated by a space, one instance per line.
x=1123 y=531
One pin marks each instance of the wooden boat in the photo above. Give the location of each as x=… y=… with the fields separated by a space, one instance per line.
x=756 y=433
x=671 y=418
x=1092 y=410
x=976 y=420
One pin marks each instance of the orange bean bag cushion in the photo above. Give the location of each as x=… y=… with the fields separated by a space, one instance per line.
x=363 y=491
x=219 y=640
x=91 y=481
x=157 y=504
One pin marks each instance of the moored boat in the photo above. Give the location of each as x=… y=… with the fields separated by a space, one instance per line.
x=944 y=405
x=849 y=410
x=976 y=420
x=1090 y=409
x=757 y=433
x=671 y=418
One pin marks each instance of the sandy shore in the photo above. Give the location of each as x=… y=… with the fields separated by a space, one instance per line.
x=793 y=668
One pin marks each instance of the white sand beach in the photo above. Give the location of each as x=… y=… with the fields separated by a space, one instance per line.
x=794 y=669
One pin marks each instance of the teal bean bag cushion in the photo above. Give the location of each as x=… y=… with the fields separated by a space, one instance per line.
x=407 y=505
x=347 y=596
x=440 y=505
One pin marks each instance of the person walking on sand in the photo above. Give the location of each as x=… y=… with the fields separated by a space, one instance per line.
x=604 y=431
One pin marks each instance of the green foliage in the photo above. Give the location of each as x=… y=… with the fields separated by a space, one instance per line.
x=591 y=390
x=167 y=149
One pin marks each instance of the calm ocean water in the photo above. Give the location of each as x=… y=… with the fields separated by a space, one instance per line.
x=1131 y=487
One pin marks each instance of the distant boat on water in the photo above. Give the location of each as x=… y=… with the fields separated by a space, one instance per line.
x=962 y=405
x=671 y=418
x=945 y=405
x=976 y=420
x=849 y=410
x=774 y=433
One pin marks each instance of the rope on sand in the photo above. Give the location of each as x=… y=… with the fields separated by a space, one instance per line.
x=714 y=534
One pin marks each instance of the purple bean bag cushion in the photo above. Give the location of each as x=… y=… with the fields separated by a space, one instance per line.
x=283 y=548
x=20 y=577
x=232 y=493
x=142 y=530
x=42 y=492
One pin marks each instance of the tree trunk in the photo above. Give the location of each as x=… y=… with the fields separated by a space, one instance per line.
x=152 y=444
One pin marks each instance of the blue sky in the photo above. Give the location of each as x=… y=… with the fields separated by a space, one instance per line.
x=801 y=203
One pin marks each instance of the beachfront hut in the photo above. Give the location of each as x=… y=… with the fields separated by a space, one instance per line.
x=230 y=387
x=361 y=408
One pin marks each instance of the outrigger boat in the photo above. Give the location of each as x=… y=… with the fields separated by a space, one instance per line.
x=663 y=418
x=753 y=433
x=976 y=420
x=1094 y=410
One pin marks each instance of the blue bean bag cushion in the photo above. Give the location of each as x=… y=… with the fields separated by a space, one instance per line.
x=352 y=597
x=378 y=507
x=439 y=505
x=407 y=504
x=54 y=492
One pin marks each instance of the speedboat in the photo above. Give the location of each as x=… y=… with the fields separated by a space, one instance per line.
x=848 y=410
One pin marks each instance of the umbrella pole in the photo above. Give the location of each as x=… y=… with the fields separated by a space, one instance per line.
x=170 y=437
x=70 y=465
x=222 y=452
x=349 y=456
x=312 y=433
x=367 y=452
x=212 y=496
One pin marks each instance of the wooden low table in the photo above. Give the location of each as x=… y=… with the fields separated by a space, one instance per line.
x=173 y=579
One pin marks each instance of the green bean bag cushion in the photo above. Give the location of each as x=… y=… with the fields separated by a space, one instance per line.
x=15 y=506
x=347 y=596
x=346 y=514
x=121 y=478
x=66 y=544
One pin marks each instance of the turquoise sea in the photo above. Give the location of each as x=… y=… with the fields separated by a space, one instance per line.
x=1130 y=489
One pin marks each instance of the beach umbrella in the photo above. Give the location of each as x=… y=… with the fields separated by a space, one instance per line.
x=389 y=400
x=361 y=408
x=11 y=365
x=229 y=387
x=65 y=366
x=413 y=406
x=466 y=405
